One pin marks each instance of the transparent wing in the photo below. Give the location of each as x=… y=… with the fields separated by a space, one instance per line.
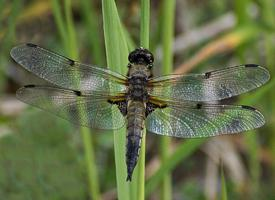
x=211 y=86
x=193 y=120
x=86 y=109
x=65 y=72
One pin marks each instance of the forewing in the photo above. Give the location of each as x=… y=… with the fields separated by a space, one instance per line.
x=193 y=120
x=211 y=86
x=65 y=72
x=86 y=109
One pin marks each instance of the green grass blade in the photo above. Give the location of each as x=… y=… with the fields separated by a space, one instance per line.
x=70 y=33
x=241 y=12
x=168 y=35
x=60 y=23
x=167 y=42
x=130 y=43
x=71 y=48
x=93 y=33
x=117 y=53
x=145 y=23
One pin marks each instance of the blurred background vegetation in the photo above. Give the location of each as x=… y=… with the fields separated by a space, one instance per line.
x=44 y=157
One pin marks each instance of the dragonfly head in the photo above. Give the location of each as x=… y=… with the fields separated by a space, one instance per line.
x=141 y=56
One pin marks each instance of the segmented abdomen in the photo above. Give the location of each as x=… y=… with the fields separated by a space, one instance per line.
x=135 y=125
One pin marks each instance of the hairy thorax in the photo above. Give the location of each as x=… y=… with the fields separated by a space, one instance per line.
x=138 y=80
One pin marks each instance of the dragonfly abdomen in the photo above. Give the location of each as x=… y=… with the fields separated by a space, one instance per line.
x=135 y=126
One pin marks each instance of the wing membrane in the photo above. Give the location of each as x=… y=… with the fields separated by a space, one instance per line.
x=86 y=109
x=193 y=120
x=65 y=72
x=211 y=86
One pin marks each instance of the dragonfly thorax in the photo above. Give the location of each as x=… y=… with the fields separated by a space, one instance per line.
x=138 y=87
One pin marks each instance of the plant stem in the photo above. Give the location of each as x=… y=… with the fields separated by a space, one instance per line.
x=70 y=44
x=70 y=33
x=116 y=52
x=145 y=23
x=241 y=12
x=60 y=23
x=94 y=38
x=167 y=41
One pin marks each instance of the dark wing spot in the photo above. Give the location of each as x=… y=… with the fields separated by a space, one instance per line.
x=251 y=65
x=163 y=106
x=110 y=101
x=198 y=106
x=77 y=93
x=207 y=75
x=71 y=62
x=31 y=45
x=248 y=108
x=29 y=86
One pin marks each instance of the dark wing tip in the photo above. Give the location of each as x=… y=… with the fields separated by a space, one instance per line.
x=29 y=86
x=71 y=62
x=198 y=106
x=207 y=75
x=31 y=45
x=251 y=65
x=248 y=107
x=77 y=93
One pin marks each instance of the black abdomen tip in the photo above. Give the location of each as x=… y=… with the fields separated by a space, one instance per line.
x=129 y=178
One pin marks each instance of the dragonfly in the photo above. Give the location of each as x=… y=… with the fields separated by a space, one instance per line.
x=176 y=105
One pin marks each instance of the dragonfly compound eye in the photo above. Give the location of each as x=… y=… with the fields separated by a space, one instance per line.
x=141 y=56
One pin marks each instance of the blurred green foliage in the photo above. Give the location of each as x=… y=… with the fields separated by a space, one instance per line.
x=38 y=160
